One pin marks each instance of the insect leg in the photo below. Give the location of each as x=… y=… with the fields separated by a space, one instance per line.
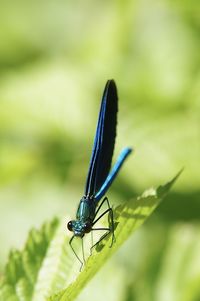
x=91 y=242
x=110 y=211
x=110 y=229
x=105 y=199
x=103 y=236
x=70 y=243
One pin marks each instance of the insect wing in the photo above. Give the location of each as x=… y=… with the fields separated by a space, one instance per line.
x=104 y=142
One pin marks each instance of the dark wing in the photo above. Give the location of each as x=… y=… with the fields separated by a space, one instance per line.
x=104 y=142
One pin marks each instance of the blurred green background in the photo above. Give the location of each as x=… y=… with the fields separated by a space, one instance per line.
x=55 y=58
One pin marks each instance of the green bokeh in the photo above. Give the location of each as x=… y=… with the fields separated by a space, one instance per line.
x=55 y=57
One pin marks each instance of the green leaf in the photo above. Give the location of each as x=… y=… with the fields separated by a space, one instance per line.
x=22 y=269
x=47 y=267
x=128 y=217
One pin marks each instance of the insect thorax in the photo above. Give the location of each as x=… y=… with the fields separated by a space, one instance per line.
x=86 y=209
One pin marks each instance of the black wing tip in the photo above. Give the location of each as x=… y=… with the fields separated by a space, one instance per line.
x=111 y=80
x=111 y=89
x=111 y=83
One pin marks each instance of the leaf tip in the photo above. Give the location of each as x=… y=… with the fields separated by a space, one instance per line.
x=164 y=189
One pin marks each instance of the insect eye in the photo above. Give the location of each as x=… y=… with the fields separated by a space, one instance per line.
x=87 y=227
x=69 y=225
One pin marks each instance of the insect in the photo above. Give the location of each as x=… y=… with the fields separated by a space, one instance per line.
x=99 y=176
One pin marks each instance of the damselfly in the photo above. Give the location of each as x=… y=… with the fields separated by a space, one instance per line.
x=99 y=176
